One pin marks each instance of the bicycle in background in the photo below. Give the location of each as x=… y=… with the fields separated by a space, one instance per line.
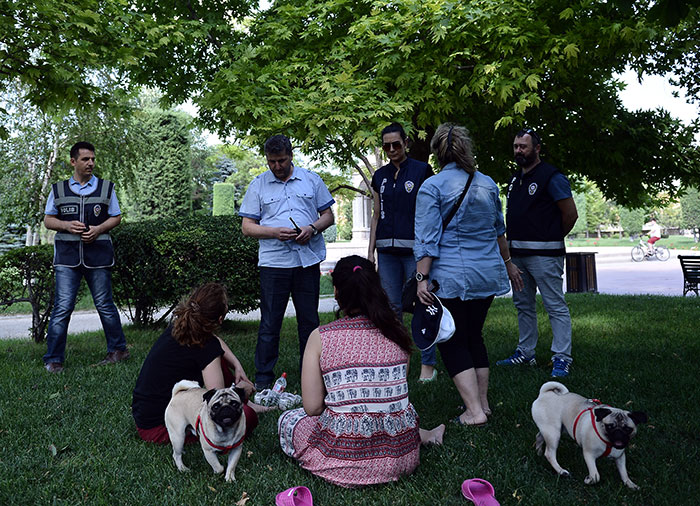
x=642 y=252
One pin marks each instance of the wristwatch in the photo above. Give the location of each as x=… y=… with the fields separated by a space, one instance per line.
x=314 y=229
x=420 y=276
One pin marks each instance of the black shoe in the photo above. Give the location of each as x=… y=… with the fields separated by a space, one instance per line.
x=115 y=356
x=260 y=386
x=54 y=367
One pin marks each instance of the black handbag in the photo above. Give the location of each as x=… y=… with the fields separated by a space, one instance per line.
x=409 y=294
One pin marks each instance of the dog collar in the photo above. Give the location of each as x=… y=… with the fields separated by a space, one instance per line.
x=221 y=449
x=608 y=446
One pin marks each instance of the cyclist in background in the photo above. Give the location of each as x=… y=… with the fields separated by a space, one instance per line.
x=654 y=235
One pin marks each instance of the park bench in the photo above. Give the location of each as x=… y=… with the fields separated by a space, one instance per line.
x=691 y=273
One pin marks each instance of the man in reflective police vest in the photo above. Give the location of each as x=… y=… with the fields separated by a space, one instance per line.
x=540 y=213
x=82 y=210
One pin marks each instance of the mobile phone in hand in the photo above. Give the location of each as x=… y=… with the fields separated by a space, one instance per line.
x=296 y=227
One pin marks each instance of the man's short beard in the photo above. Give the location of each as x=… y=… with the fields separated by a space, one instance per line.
x=525 y=161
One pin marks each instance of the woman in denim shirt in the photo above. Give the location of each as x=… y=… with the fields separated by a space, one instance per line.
x=469 y=259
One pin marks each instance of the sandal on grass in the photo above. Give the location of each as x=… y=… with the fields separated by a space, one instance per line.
x=429 y=380
x=487 y=412
x=480 y=492
x=295 y=496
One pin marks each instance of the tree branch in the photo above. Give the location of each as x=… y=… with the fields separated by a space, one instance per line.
x=348 y=187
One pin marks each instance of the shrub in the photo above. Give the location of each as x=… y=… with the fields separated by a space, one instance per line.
x=160 y=261
x=344 y=219
x=224 y=199
x=330 y=234
x=326 y=285
x=164 y=186
x=26 y=275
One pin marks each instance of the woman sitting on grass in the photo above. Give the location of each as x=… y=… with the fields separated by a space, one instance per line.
x=188 y=349
x=357 y=426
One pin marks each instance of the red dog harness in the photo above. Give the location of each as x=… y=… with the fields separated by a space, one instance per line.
x=608 y=446
x=221 y=449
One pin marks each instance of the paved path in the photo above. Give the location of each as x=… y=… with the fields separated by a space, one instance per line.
x=617 y=275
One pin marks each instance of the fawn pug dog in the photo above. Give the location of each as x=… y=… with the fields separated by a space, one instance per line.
x=216 y=416
x=600 y=430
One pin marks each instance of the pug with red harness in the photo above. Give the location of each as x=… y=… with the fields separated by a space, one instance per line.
x=217 y=418
x=600 y=430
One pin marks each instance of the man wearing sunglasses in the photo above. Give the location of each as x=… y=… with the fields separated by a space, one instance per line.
x=540 y=213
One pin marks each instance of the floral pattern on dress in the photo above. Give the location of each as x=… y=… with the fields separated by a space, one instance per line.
x=368 y=432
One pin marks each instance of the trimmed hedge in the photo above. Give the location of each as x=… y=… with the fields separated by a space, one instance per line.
x=330 y=234
x=160 y=261
x=224 y=199
x=26 y=275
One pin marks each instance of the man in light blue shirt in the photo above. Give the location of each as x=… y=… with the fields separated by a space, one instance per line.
x=82 y=210
x=286 y=209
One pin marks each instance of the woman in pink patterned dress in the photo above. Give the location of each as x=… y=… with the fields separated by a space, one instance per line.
x=357 y=426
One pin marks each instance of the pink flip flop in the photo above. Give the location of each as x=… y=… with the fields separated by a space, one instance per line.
x=480 y=492
x=295 y=496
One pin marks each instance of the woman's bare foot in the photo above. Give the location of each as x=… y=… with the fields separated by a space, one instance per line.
x=260 y=409
x=434 y=436
x=467 y=418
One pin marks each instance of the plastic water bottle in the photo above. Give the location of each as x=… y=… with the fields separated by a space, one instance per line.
x=280 y=384
x=271 y=396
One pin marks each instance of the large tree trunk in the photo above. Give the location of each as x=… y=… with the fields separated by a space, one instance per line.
x=420 y=148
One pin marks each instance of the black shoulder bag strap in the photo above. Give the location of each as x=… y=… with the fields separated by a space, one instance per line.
x=454 y=209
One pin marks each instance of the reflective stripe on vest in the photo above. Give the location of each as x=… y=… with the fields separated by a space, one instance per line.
x=67 y=236
x=536 y=244
x=395 y=243
x=87 y=199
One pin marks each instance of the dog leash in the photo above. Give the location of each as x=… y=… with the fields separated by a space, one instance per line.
x=198 y=427
x=608 y=446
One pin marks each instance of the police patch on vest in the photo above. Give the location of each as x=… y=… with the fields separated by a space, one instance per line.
x=409 y=186
x=97 y=210
x=68 y=209
x=532 y=188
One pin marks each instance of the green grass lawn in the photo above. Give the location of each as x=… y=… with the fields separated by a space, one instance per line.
x=70 y=438
x=84 y=303
x=671 y=242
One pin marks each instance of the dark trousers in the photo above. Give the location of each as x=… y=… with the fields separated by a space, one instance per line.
x=276 y=285
x=466 y=348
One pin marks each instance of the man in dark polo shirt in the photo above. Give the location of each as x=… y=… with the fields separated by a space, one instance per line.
x=540 y=213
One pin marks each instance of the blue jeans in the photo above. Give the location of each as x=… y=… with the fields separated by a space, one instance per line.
x=67 y=283
x=545 y=273
x=303 y=283
x=394 y=270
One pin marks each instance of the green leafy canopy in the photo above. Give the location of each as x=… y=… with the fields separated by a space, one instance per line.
x=331 y=74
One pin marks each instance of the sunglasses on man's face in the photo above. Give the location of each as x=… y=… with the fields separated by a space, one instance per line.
x=388 y=146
